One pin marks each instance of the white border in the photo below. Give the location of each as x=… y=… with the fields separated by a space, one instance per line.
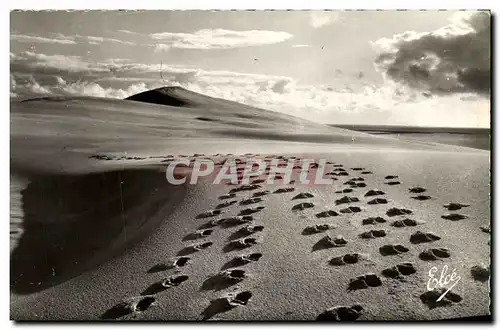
x=255 y=4
x=189 y=4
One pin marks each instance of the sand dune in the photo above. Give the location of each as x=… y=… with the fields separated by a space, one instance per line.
x=109 y=238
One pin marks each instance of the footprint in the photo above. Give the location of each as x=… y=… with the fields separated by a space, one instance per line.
x=367 y=172
x=455 y=206
x=373 y=220
x=224 y=280
x=208 y=214
x=391 y=177
x=133 y=305
x=197 y=235
x=346 y=200
x=209 y=224
x=357 y=179
x=406 y=223
x=421 y=197
x=284 y=190
x=246 y=231
x=250 y=201
x=227 y=196
x=240 y=244
x=338 y=165
x=486 y=228
x=421 y=237
x=454 y=216
x=417 y=190
x=430 y=298
x=374 y=192
x=364 y=282
x=341 y=174
x=302 y=206
x=344 y=191
x=397 y=211
x=194 y=248
x=225 y=204
x=165 y=284
x=179 y=262
x=245 y=188
x=317 y=229
x=351 y=209
x=392 y=250
x=377 y=201
x=251 y=210
x=303 y=196
x=328 y=242
x=392 y=183
x=399 y=271
x=341 y=313
x=434 y=254
x=242 y=260
x=261 y=193
x=235 y=221
x=326 y=214
x=225 y=304
x=357 y=168
x=258 y=181
x=373 y=234
x=355 y=184
x=480 y=273
x=345 y=259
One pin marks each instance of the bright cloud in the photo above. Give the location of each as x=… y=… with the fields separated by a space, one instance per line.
x=100 y=40
x=219 y=39
x=128 y=32
x=42 y=40
x=59 y=38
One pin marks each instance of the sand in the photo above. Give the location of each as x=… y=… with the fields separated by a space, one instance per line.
x=82 y=243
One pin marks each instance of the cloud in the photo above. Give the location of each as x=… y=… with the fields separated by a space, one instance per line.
x=100 y=40
x=35 y=75
x=42 y=40
x=219 y=39
x=322 y=18
x=58 y=38
x=128 y=32
x=453 y=59
x=30 y=86
x=29 y=61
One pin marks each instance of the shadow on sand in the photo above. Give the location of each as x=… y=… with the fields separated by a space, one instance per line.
x=75 y=222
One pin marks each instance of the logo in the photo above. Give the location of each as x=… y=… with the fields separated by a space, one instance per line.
x=446 y=280
x=306 y=171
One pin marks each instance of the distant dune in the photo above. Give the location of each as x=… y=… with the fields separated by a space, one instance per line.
x=97 y=232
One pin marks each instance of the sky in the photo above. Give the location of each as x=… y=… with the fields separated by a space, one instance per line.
x=419 y=68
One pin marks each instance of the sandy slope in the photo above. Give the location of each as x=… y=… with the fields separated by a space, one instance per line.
x=72 y=216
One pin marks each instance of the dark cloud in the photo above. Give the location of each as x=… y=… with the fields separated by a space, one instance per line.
x=453 y=59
